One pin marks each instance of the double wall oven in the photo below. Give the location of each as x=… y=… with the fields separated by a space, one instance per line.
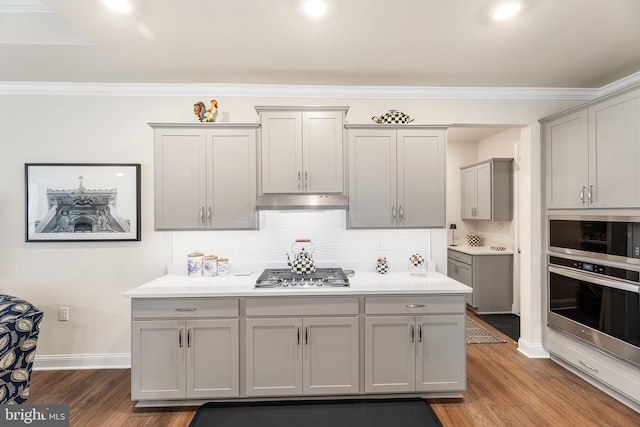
x=594 y=281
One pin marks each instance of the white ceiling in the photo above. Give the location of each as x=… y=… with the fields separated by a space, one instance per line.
x=431 y=43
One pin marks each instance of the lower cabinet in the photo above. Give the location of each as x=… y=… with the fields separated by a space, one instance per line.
x=185 y=348
x=490 y=277
x=224 y=348
x=177 y=359
x=294 y=356
x=415 y=353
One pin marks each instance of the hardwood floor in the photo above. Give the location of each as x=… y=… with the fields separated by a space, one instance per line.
x=505 y=388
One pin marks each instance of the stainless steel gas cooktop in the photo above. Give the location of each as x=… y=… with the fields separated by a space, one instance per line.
x=284 y=278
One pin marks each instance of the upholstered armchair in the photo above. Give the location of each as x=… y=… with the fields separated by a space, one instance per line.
x=19 y=329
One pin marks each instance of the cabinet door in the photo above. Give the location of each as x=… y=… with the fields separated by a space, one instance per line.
x=180 y=178
x=421 y=176
x=212 y=358
x=484 y=193
x=232 y=177
x=281 y=152
x=372 y=178
x=273 y=356
x=389 y=354
x=158 y=359
x=614 y=152
x=322 y=152
x=330 y=355
x=441 y=353
x=469 y=193
x=463 y=273
x=567 y=159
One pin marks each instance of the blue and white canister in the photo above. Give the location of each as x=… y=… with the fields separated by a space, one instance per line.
x=194 y=264
x=210 y=266
x=223 y=266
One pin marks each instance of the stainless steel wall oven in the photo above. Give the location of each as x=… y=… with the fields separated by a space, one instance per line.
x=594 y=282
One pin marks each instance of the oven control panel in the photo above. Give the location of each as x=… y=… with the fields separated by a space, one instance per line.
x=604 y=270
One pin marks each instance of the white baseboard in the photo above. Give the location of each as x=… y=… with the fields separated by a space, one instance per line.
x=82 y=361
x=532 y=351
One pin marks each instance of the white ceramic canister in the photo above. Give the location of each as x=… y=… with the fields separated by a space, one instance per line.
x=210 y=265
x=223 y=266
x=194 y=264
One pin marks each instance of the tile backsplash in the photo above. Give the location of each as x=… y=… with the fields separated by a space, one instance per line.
x=335 y=245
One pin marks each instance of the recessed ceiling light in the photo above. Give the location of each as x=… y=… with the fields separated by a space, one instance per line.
x=506 y=10
x=118 y=6
x=315 y=8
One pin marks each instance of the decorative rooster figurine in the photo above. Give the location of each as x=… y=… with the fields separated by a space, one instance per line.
x=199 y=110
x=208 y=115
x=212 y=112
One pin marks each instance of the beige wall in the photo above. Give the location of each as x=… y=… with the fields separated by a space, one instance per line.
x=90 y=278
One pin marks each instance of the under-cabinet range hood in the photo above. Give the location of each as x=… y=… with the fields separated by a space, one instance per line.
x=302 y=202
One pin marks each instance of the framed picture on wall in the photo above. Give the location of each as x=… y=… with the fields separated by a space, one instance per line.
x=83 y=202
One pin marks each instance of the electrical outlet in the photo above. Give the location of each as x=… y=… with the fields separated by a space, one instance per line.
x=382 y=245
x=63 y=314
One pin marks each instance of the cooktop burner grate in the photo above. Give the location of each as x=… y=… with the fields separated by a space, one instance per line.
x=284 y=278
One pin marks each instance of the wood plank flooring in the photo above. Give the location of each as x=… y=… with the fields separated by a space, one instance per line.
x=504 y=388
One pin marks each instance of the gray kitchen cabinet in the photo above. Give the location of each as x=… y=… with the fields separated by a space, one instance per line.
x=592 y=154
x=309 y=355
x=489 y=275
x=174 y=357
x=205 y=176
x=410 y=352
x=487 y=190
x=302 y=149
x=396 y=176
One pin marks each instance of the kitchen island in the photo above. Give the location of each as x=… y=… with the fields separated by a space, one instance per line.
x=196 y=339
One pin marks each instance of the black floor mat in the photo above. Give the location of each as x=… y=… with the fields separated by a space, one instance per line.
x=410 y=412
x=508 y=324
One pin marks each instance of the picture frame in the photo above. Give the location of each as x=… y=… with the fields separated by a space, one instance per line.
x=82 y=202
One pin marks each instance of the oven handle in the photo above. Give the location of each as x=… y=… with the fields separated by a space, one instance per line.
x=596 y=280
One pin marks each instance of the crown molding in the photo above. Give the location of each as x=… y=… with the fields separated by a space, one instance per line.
x=620 y=84
x=291 y=91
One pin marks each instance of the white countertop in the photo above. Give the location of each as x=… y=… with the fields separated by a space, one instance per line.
x=362 y=283
x=479 y=250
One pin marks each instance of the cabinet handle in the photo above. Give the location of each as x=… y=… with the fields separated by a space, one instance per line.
x=180 y=338
x=590 y=194
x=186 y=309
x=298 y=335
x=420 y=332
x=401 y=214
x=588 y=366
x=455 y=269
x=306 y=181
x=306 y=335
x=582 y=195
x=299 y=181
x=202 y=215
x=412 y=333
x=189 y=337
x=209 y=215
x=415 y=305
x=393 y=213
x=473 y=211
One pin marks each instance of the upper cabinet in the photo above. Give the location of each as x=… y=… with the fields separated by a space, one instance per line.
x=396 y=176
x=592 y=155
x=205 y=176
x=302 y=149
x=487 y=190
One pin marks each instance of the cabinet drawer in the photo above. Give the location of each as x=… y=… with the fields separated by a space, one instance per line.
x=459 y=256
x=607 y=370
x=316 y=306
x=432 y=304
x=184 y=308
